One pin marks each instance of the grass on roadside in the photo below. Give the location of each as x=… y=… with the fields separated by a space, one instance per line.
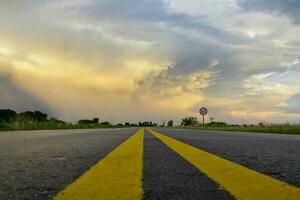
x=28 y=124
x=273 y=128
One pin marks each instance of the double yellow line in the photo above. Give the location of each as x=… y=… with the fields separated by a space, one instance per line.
x=119 y=175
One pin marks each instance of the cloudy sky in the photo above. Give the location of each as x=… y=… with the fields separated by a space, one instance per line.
x=128 y=60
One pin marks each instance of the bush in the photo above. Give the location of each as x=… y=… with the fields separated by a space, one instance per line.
x=189 y=121
x=147 y=124
x=7 y=115
x=34 y=116
x=87 y=121
x=170 y=123
x=56 y=121
x=105 y=124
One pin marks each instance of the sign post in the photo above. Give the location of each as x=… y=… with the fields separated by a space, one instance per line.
x=203 y=111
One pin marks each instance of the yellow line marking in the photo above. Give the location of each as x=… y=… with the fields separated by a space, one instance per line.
x=117 y=177
x=241 y=182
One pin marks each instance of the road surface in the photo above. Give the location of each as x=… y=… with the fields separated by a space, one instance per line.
x=148 y=164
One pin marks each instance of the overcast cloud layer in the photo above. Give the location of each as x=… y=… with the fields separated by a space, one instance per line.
x=128 y=60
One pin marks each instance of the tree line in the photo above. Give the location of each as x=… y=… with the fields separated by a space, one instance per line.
x=7 y=115
x=10 y=117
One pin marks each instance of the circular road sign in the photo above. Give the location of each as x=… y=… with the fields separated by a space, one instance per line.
x=203 y=111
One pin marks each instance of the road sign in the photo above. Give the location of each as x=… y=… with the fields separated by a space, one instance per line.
x=203 y=111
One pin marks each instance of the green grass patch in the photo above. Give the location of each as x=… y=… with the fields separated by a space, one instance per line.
x=274 y=128
x=27 y=124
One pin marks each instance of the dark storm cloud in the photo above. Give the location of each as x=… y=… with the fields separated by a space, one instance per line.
x=145 y=19
x=289 y=8
x=13 y=97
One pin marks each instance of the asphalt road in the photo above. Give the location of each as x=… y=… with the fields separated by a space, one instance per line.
x=168 y=176
x=39 y=164
x=274 y=155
